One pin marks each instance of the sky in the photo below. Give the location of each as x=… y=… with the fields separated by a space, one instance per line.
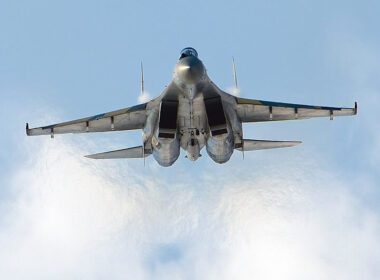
x=310 y=211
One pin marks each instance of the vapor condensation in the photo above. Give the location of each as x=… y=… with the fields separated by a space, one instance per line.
x=72 y=218
x=234 y=90
x=144 y=97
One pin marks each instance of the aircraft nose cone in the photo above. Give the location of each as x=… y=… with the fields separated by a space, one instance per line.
x=190 y=70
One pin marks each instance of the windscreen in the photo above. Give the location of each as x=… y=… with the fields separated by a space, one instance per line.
x=188 y=52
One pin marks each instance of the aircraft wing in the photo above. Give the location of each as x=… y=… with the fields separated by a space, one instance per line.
x=124 y=119
x=250 y=110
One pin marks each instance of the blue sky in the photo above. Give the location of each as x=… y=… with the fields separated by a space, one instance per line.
x=60 y=61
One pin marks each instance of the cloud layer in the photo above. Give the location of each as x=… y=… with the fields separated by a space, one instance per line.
x=68 y=217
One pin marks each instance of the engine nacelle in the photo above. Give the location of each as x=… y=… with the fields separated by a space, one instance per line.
x=220 y=147
x=165 y=150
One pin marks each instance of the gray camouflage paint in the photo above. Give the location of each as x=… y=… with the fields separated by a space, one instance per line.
x=191 y=88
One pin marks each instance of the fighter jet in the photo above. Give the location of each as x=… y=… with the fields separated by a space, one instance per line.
x=191 y=113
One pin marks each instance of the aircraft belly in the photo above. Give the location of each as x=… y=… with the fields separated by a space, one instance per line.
x=192 y=122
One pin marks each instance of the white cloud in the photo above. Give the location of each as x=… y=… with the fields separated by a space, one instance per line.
x=69 y=217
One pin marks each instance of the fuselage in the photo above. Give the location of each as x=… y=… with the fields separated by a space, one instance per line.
x=199 y=113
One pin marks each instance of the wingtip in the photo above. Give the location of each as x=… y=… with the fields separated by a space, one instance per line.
x=356 y=108
x=295 y=143
x=27 y=129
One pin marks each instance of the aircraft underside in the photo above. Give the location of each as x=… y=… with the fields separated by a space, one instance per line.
x=197 y=123
x=191 y=113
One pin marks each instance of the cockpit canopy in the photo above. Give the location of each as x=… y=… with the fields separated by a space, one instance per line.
x=188 y=52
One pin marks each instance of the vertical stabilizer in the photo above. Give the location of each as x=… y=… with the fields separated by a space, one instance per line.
x=142 y=78
x=234 y=73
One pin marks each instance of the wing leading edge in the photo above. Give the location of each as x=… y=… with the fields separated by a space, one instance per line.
x=124 y=119
x=250 y=110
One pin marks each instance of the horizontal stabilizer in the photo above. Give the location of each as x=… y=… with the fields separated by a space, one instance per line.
x=135 y=152
x=252 y=145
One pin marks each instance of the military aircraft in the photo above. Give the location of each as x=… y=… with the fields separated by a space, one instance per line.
x=190 y=113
